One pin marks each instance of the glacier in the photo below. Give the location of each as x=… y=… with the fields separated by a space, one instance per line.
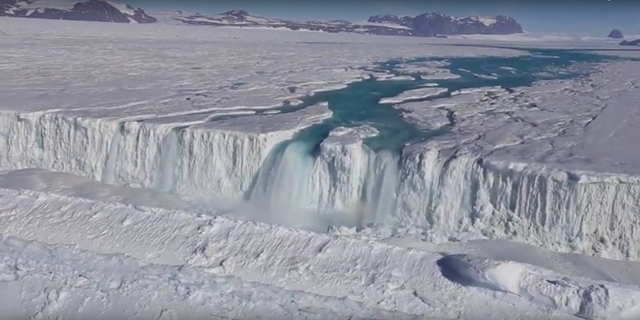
x=392 y=172
x=155 y=172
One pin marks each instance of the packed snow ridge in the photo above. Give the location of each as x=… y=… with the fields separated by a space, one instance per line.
x=540 y=287
x=186 y=261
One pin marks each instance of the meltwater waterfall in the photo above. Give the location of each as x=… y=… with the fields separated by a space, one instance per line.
x=108 y=175
x=283 y=184
x=380 y=188
x=321 y=177
x=372 y=180
x=295 y=181
x=164 y=180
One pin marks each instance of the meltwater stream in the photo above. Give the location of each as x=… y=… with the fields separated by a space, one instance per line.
x=302 y=177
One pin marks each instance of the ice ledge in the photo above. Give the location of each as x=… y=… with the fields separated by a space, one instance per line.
x=69 y=185
x=443 y=190
x=350 y=135
x=272 y=123
x=585 y=126
x=161 y=156
x=558 y=172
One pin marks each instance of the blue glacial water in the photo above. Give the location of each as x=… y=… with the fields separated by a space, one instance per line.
x=286 y=170
x=358 y=103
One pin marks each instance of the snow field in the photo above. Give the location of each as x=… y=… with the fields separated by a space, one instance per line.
x=125 y=249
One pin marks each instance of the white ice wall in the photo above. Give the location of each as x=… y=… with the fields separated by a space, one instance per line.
x=449 y=196
x=338 y=176
x=453 y=194
x=216 y=162
x=50 y=141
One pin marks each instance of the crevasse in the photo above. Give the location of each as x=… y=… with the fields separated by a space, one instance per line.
x=443 y=193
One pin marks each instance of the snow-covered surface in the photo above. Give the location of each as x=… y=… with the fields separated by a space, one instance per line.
x=124 y=8
x=415 y=94
x=542 y=40
x=127 y=259
x=391 y=77
x=573 y=132
x=380 y=24
x=428 y=70
x=487 y=21
x=554 y=165
x=59 y=281
x=210 y=84
x=53 y=4
x=346 y=136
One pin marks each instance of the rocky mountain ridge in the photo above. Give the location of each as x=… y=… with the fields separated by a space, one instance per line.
x=432 y=24
x=91 y=10
x=424 y=25
x=615 y=34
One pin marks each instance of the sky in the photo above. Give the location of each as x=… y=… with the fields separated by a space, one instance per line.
x=595 y=17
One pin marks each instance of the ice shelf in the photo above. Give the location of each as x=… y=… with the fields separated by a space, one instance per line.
x=543 y=164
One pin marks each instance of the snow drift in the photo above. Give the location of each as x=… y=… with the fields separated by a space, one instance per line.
x=582 y=298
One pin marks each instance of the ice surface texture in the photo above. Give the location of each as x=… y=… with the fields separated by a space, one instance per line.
x=538 y=286
x=173 y=261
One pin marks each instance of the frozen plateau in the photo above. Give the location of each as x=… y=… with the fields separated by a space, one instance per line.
x=169 y=172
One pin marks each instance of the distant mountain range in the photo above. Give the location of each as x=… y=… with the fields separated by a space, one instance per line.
x=425 y=25
x=615 y=34
x=92 y=10
x=630 y=42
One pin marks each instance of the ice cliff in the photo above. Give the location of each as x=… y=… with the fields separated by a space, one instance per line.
x=445 y=193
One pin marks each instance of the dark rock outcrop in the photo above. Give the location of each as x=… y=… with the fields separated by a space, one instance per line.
x=424 y=25
x=630 y=43
x=615 y=34
x=435 y=23
x=92 y=10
